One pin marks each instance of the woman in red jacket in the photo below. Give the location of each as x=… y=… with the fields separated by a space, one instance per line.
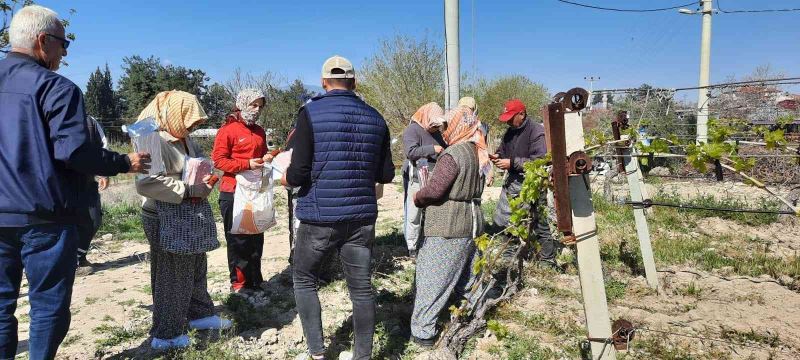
x=241 y=145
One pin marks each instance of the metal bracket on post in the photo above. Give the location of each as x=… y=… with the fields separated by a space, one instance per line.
x=573 y=196
x=634 y=175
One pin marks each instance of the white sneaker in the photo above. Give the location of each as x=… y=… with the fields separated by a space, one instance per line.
x=210 y=323
x=179 y=342
x=306 y=356
x=345 y=355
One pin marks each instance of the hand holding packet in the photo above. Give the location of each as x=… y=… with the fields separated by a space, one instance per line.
x=195 y=169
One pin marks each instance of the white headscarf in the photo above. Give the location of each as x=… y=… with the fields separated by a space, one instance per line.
x=243 y=101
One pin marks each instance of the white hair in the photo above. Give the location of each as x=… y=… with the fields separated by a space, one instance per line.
x=29 y=22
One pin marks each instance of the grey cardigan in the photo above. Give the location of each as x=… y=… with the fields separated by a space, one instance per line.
x=418 y=143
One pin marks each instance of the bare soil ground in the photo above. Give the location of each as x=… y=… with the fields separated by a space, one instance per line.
x=708 y=313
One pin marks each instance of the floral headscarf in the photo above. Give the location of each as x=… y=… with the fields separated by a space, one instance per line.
x=463 y=125
x=429 y=116
x=243 y=100
x=176 y=112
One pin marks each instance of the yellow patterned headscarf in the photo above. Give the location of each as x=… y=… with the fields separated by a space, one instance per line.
x=176 y=112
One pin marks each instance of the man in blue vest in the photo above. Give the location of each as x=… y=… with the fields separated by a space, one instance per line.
x=341 y=149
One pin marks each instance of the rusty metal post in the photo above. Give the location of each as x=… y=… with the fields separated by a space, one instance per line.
x=619 y=124
x=553 y=116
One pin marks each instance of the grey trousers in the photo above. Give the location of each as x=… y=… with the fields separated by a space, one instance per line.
x=412 y=224
x=179 y=286
x=443 y=268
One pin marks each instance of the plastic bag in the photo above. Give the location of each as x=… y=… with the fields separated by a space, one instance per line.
x=195 y=169
x=280 y=163
x=253 y=210
x=146 y=138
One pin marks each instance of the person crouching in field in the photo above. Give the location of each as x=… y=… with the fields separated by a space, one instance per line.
x=453 y=219
x=422 y=140
x=241 y=144
x=179 y=226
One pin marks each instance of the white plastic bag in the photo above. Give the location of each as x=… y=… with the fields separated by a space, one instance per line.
x=146 y=138
x=253 y=211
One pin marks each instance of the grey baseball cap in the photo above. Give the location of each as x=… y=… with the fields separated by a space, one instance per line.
x=337 y=67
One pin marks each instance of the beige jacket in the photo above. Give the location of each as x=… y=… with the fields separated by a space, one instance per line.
x=167 y=187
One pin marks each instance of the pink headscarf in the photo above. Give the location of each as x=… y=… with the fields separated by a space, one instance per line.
x=463 y=125
x=429 y=115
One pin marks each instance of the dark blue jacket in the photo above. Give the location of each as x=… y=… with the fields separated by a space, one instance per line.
x=48 y=153
x=341 y=148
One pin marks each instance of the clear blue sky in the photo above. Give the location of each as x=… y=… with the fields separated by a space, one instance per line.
x=551 y=42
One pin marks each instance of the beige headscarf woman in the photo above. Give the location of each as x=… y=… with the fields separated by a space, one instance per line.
x=463 y=125
x=176 y=112
x=429 y=116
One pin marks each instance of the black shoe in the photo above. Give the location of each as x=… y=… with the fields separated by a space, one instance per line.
x=424 y=343
x=412 y=254
x=82 y=261
x=548 y=264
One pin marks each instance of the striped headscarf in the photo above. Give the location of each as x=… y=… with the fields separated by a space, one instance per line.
x=429 y=115
x=463 y=125
x=175 y=112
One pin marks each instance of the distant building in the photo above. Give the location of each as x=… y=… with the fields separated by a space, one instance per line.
x=204 y=133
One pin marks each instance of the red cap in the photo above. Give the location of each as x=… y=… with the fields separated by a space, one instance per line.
x=512 y=107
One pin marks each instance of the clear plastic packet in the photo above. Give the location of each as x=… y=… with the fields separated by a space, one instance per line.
x=280 y=163
x=195 y=169
x=422 y=172
x=146 y=138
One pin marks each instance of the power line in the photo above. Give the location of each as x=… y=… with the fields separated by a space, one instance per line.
x=765 y=82
x=719 y=7
x=627 y=10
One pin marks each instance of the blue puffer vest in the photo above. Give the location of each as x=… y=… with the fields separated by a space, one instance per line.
x=348 y=136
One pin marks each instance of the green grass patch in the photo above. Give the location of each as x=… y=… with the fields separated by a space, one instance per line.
x=71 y=339
x=691 y=289
x=521 y=347
x=615 y=289
x=118 y=335
x=751 y=336
x=124 y=221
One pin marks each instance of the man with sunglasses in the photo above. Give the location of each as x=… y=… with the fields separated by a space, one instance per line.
x=49 y=155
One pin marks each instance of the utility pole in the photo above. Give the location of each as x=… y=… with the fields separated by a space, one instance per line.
x=452 y=86
x=705 y=64
x=591 y=80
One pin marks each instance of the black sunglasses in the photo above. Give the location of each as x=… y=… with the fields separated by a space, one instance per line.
x=64 y=42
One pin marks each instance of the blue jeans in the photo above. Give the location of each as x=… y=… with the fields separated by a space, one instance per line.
x=47 y=253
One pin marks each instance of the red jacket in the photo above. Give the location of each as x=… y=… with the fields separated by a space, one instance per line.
x=235 y=145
